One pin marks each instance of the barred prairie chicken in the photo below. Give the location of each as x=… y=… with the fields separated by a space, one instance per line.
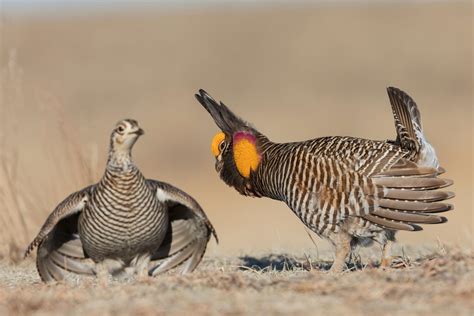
x=349 y=190
x=123 y=221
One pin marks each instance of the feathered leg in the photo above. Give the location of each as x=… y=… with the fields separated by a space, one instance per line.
x=342 y=242
x=105 y=268
x=141 y=263
x=386 y=260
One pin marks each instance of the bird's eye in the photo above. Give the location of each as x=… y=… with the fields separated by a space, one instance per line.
x=120 y=129
x=222 y=146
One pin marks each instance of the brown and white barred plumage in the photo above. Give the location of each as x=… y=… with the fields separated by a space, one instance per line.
x=352 y=191
x=123 y=217
x=123 y=221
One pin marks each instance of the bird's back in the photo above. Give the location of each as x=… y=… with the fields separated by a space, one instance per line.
x=364 y=156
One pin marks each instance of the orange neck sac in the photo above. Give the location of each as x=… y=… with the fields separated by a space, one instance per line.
x=246 y=155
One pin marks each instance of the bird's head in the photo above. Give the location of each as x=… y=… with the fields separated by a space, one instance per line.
x=237 y=148
x=124 y=135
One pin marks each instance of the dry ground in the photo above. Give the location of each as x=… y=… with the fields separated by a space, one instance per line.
x=427 y=281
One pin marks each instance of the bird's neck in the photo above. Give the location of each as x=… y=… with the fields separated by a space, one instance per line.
x=268 y=181
x=120 y=160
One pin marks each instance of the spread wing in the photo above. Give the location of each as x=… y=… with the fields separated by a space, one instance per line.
x=58 y=243
x=188 y=233
x=398 y=196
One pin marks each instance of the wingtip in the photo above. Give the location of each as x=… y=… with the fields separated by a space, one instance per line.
x=443 y=219
x=213 y=232
x=30 y=249
x=441 y=170
x=449 y=195
x=447 y=183
x=416 y=228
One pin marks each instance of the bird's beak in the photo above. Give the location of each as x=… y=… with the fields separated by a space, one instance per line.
x=139 y=132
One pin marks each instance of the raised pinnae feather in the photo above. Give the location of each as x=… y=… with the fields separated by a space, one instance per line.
x=224 y=118
x=213 y=108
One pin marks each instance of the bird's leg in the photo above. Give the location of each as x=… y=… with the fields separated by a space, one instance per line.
x=342 y=241
x=354 y=255
x=386 y=260
x=106 y=267
x=141 y=266
x=102 y=273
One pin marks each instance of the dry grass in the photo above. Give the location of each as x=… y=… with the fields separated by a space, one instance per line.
x=14 y=199
x=437 y=281
x=18 y=194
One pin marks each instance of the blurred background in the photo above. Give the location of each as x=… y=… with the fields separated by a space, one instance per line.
x=295 y=69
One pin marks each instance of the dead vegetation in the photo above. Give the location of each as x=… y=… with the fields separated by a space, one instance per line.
x=436 y=281
x=13 y=198
x=19 y=198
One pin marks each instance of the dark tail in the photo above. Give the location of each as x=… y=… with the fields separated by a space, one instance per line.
x=409 y=129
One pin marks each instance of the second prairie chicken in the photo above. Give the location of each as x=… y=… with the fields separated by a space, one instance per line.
x=349 y=190
x=123 y=221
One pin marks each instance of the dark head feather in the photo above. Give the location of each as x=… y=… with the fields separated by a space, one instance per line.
x=227 y=121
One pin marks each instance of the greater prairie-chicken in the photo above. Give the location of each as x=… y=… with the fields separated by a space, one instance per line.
x=123 y=221
x=349 y=190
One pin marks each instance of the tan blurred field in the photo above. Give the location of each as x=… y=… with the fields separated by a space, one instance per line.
x=294 y=72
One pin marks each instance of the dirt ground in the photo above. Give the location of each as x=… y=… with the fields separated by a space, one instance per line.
x=435 y=281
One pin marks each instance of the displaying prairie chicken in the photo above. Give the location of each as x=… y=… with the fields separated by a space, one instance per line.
x=123 y=221
x=349 y=190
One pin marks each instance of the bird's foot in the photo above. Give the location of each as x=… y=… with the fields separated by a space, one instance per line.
x=337 y=268
x=386 y=263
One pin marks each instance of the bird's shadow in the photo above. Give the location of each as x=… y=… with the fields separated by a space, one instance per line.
x=281 y=263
